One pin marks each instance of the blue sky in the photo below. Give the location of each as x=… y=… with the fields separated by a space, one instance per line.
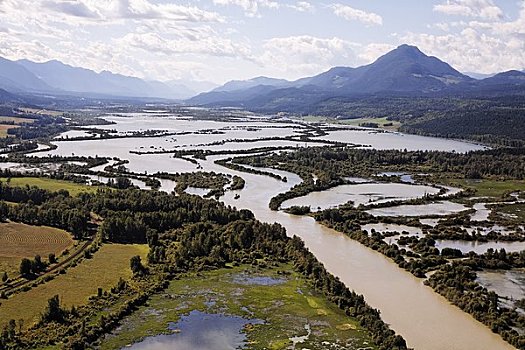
x=220 y=40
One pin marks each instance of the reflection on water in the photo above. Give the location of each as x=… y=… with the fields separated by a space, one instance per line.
x=391 y=140
x=257 y=280
x=480 y=247
x=481 y=213
x=197 y=191
x=361 y=194
x=510 y=284
x=441 y=208
x=200 y=331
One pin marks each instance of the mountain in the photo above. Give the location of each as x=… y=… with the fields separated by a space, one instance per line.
x=81 y=80
x=14 y=77
x=6 y=97
x=230 y=98
x=479 y=76
x=195 y=86
x=509 y=78
x=247 y=84
x=404 y=70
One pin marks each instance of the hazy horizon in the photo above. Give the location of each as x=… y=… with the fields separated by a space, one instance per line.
x=222 y=40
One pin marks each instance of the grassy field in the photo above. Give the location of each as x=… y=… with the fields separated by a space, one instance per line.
x=42 y=111
x=355 y=122
x=103 y=270
x=15 y=120
x=4 y=128
x=488 y=188
x=379 y=121
x=285 y=302
x=50 y=184
x=514 y=211
x=19 y=241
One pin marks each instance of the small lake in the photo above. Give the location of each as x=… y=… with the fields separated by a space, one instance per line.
x=480 y=247
x=365 y=193
x=441 y=208
x=200 y=331
x=482 y=212
x=394 y=140
x=510 y=284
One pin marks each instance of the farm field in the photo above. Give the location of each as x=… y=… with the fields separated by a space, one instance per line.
x=74 y=287
x=279 y=303
x=4 y=128
x=19 y=241
x=379 y=121
x=50 y=184
x=42 y=111
x=356 y=121
x=15 y=120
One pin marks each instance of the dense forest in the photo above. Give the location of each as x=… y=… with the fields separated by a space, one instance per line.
x=495 y=120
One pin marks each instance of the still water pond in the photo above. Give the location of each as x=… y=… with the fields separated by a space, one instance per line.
x=200 y=331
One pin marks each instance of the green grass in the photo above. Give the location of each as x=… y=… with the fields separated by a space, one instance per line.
x=50 y=184
x=488 y=188
x=380 y=121
x=108 y=264
x=354 y=122
x=516 y=211
x=285 y=309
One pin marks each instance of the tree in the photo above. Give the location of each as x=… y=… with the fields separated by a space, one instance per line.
x=25 y=267
x=37 y=265
x=52 y=258
x=5 y=277
x=136 y=265
x=53 y=312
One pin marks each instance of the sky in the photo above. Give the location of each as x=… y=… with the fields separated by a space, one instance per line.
x=222 y=40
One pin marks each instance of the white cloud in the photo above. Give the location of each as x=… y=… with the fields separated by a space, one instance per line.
x=371 y=52
x=76 y=9
x=302 y=6
x=250 y=7
x=352 y=14
x=212 y=45
x=471 y=8
x=103 y=11
x=143 y=9
x=305 y=55
x=478 y=46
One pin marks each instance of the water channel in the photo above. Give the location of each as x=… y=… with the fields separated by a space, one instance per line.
x=425 y=319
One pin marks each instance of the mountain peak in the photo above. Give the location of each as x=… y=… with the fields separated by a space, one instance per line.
x=409 y=48
x=405 y=52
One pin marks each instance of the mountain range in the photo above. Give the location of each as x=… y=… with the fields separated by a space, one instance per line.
x=56 y=77
x=404 y=71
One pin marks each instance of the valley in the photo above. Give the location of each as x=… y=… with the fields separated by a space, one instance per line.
x=361 y=187
x=262 y=175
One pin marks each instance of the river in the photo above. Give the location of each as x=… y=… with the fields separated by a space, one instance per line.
x=425 y=319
